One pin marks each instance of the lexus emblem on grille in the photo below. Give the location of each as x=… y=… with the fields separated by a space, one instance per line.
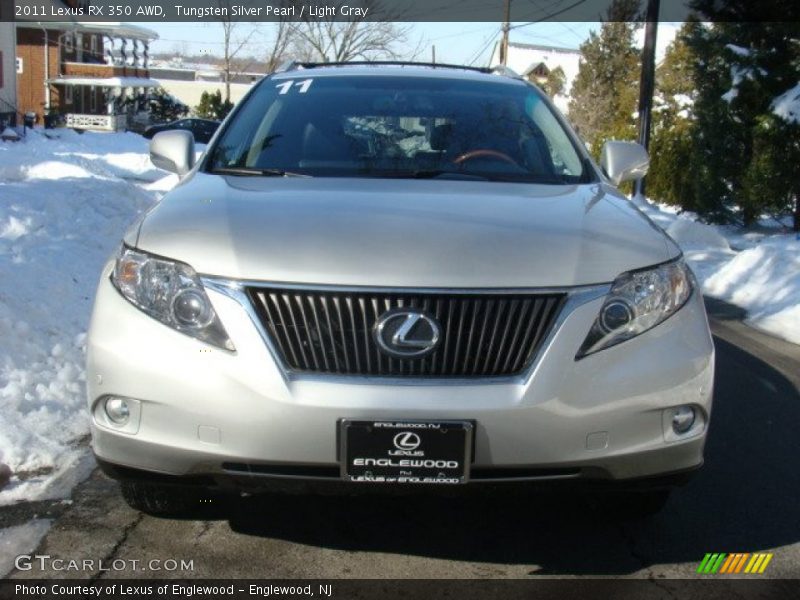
x=408 y=440
x=406 y=333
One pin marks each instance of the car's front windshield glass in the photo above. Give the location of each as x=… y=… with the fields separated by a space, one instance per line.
x=398 y=126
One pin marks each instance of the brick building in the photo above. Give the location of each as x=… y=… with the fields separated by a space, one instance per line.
x=92 y=75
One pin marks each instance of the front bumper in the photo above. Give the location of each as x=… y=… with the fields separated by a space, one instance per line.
x=205 y=411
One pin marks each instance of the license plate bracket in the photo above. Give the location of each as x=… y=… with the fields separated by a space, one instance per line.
x=406 y=451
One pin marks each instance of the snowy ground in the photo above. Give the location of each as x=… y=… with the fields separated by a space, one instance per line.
x=758 y=270
x=64 y=206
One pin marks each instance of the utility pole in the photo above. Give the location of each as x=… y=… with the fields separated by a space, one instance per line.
x=647 y=83
x=506 y=29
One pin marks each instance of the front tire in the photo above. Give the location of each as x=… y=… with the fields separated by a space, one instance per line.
x=159 y=500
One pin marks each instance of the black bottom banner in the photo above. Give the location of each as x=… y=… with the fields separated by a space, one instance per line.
x=407 y=589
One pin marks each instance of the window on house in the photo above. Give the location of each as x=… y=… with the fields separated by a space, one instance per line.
x=93 y=99
x=68 y=43
x=68 y=94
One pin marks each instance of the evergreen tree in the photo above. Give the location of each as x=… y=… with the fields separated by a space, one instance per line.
x=212 y=106
x=605 y=92
x=555 y=83
x=745 y=154
x=718 y=147
x=671 y=175
x=164 y=107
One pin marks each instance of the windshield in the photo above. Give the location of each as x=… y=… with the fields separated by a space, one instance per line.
x=398 y=126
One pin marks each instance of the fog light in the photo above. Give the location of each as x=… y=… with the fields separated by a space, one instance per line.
x=683 y=419
x=117 y=410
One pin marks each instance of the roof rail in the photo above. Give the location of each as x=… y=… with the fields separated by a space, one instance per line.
x=505 y=71
x=399 y=63
x=289 y=65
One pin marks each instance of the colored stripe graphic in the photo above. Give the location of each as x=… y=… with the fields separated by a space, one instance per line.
x=703 y=563
x=767 y=558
x=718 y=563
x=715 y=562
x=730 y=564
x=727 y=564
x=740 y=564
x=755 y=562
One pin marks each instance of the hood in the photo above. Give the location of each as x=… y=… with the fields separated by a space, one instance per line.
x=402 y=233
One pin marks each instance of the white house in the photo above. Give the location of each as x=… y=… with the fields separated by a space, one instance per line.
x=534 y=60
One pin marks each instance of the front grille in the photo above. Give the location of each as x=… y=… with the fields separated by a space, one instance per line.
x=482 y=335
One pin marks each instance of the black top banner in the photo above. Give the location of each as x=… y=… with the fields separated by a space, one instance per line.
x=531 y=11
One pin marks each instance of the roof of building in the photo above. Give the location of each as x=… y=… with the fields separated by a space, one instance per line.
x=544 y=48
x=112 y=82
x=124 y=30
x=533 y=67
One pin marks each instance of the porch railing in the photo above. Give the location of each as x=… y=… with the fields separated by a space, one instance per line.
x=97 y=122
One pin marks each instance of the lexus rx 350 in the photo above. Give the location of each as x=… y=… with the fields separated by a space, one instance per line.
x=389 y=275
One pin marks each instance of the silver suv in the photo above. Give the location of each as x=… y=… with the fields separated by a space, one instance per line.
x=395 y=275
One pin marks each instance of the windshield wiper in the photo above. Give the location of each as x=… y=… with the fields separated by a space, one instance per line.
x=255 y=172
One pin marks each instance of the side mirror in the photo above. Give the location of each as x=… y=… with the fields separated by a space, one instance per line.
x=624 y=161
x=173 y=151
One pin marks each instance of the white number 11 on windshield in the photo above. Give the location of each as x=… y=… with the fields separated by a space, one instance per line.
x=302 y=86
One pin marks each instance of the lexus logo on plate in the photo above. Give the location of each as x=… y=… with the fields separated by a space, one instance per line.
x=406 y=333
x=408 y=440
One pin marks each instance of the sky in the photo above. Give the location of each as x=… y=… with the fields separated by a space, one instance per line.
x=459 y=43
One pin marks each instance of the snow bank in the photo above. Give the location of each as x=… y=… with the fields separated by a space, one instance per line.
x=758 y=271
x=766 y=281
x=787 y=105
x=65 y=203
x=691 y=234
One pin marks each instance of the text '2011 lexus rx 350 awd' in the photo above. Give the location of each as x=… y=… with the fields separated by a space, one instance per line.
x=389 y=275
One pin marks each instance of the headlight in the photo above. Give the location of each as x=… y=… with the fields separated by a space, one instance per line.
x=638 y=301
x=170 y=292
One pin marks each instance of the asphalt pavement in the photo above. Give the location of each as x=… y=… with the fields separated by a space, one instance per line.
x=745 y=499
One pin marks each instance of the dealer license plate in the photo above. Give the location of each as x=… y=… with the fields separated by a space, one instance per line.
x=416 y=452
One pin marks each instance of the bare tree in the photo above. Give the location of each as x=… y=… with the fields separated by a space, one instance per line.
x=329 y=40
x=232 y=45
x=279 y=49
x=180 y=50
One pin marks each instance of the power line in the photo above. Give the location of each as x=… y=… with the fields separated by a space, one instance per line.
x=457 y=34
x=550 y=16
x=536 y=36
x=485 y=47
x=572 y=31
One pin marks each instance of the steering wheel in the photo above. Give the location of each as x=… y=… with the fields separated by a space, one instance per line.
x=484 y=152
